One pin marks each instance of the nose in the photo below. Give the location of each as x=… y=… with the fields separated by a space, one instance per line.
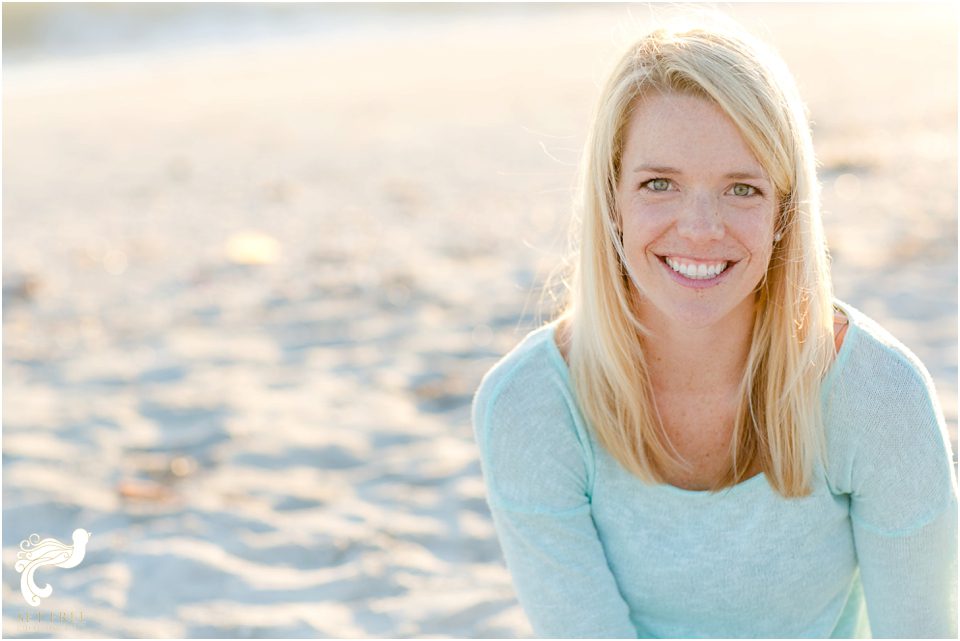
x=700 y=220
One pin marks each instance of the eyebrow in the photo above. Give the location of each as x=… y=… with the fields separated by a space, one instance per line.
x=734 y=175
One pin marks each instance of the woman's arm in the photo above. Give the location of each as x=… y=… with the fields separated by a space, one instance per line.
x=561 y=576
x=537 y=483
x=904 y=510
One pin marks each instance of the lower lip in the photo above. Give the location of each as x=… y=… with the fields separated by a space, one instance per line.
x=696 y=283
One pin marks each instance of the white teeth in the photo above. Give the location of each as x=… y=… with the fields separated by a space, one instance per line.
x=697 y=272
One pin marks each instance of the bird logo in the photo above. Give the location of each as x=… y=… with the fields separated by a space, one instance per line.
x=36 y=553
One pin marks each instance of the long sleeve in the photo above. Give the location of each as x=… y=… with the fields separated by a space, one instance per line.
x=537 y=478
x=903 y=507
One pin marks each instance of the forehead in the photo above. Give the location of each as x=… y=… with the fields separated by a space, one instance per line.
x=686 y=132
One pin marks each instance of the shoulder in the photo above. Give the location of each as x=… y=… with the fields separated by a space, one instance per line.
x=529 y=380
x=533 y=448
x=840 y=325
x=872 y=362
x=882 y=417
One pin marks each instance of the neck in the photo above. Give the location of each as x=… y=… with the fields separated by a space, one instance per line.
x=690 y=360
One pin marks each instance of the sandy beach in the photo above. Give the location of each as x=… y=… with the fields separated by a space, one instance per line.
x=250 y=288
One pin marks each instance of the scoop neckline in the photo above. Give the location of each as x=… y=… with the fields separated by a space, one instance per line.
x=827 y=383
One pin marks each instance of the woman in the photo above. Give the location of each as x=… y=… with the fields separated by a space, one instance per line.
x=705 y=443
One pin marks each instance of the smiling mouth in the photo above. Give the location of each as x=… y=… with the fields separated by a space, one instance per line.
x=697 y=269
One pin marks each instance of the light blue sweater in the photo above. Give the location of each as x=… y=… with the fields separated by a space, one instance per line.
x=594 y=552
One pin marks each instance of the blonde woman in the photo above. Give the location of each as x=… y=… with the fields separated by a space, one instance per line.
x=705 y=443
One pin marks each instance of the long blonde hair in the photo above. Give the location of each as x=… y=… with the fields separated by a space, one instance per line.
x=778 y=422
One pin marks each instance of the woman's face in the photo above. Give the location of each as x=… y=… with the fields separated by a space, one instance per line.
x=697 y=211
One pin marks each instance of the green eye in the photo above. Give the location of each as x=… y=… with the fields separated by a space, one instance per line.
x=659 y=184
x=741 y=189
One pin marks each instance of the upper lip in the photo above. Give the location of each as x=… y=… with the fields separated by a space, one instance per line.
x=696 y=261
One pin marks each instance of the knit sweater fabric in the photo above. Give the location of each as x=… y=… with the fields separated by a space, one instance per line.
x=595 y=552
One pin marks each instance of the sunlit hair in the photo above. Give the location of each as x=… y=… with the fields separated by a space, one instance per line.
x=778 y=419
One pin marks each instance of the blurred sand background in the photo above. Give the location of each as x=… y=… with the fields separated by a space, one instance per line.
x=254 y=268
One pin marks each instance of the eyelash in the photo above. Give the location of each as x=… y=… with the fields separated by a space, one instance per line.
x=646 y=185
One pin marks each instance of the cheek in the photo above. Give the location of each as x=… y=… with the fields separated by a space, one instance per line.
x=758 y=240
x=643 y=224
x=753 y=228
